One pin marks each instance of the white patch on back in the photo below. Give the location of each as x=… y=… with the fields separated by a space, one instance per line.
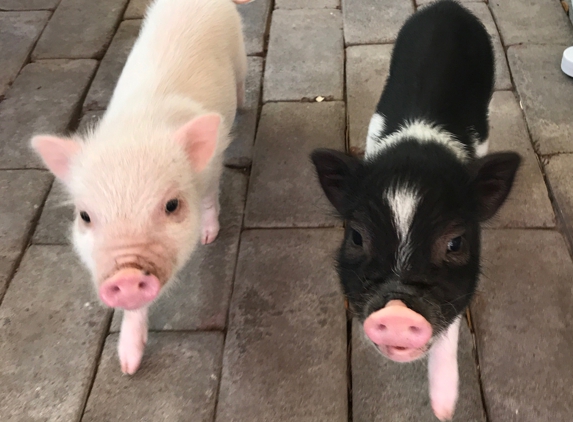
x=403 y=202
x=375 y=129
x=422 y=132
x=482 y=148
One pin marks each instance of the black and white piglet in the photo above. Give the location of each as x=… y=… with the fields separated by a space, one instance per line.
x=410 y=259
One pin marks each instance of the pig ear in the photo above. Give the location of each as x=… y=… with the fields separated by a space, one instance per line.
x=199 y=139
x=493 y=181
x=335 y=172
x=56 y=153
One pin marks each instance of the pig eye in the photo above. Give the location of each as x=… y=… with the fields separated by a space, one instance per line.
x=85 y=216
x=171 y=206
x=356 y=237
x=455 y=244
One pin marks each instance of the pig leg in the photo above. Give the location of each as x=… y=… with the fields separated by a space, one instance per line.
x=132 y=339
x=443 y=373
x=210 y=203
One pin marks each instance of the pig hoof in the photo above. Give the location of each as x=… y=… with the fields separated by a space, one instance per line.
x=130 y=354
x=444 y=412
x=209 y=233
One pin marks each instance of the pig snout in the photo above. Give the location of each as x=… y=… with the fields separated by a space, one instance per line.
x=400 y=333
x=129 y=289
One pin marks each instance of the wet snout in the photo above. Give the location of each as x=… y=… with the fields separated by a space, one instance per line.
x=400 y=333
x=129 y=288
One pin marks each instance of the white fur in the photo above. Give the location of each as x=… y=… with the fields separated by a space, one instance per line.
x=443 y=372
x=482 y=148
x=403 y=202
x=375 y=129
x=422 y=132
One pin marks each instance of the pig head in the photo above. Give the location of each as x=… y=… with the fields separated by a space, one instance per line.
x=137 y=204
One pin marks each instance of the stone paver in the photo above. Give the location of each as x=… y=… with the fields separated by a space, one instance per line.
x=200 y=299
x=284 y=190
x=384 y=391
x=18 y=33
x=45 y=98
x=240 y=153
x=285 y=353
x=523 y=321
x=374 y=21
x=528 y=204
x=22 y=193
x=111 y=66
x=545 y=92
x=299 y=69
x=366 y=72
x=255 y=17
x=136 y=9
x=54 y=224
x=28 y=5
x=426 y=2
x=558 y=172
x=502 y=78
x=532 y=22
x=177 y=381
x=51 y=330
x=79 y=29
x=307 y=4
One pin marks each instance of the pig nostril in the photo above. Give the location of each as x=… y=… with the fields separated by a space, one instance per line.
x=382 y=327
x=414 y=329
x=115 y=289
x=142 y=285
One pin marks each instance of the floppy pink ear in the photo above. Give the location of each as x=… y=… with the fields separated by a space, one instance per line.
x=56 y=153
x=199 y=139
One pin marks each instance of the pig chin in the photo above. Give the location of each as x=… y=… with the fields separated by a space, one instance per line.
x=402 y=354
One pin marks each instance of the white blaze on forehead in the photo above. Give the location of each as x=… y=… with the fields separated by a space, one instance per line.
x=422 y=132
x=375 y=129
x=403 y=202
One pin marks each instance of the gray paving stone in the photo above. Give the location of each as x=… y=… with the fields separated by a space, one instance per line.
x=283 y=189
x=57 y=216
x=366 y=73
x=523 y=323
x=177 y=381
x=136 y=9
x=18 y=33
x=545 y=93
x=45 y=98
x=558 y=171
x=255 y=17
x=51 y=330
x=22 y=193
x=374 y=21
x=240 y=153
x=384 y=391
x=285 y=352
x=502 y=78
x=89 y=119
x=200 y=300
x=528 y=204
x=425 y=2
x=307 y=4
x=111 y=66
x=28 y=5
x=305 y=57
x=79 y=29
x=532 y=22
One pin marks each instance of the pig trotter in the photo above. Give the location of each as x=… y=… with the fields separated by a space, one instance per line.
x=132 y=340
x=210 y=220
x=443 y=373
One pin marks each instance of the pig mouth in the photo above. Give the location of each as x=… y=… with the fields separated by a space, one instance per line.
x=402 y=354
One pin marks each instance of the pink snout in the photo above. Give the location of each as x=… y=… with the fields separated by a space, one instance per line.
x=129 y=289
x=400 y=333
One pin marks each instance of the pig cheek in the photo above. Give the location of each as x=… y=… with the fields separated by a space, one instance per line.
x=181 y=237
x=83 y=240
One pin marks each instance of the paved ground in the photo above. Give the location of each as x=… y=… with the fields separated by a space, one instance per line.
x=258 y=332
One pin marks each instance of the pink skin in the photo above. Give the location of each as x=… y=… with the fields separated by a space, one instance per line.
x=132 y=340
x=443 y=373
x=209 y=219
x=401 y=334
x=129 y=289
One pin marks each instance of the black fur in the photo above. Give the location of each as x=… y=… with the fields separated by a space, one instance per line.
x=442 y=72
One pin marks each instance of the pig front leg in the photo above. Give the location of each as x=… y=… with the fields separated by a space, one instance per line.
x=132 y=340
x=210 y=218
x=443 y=373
